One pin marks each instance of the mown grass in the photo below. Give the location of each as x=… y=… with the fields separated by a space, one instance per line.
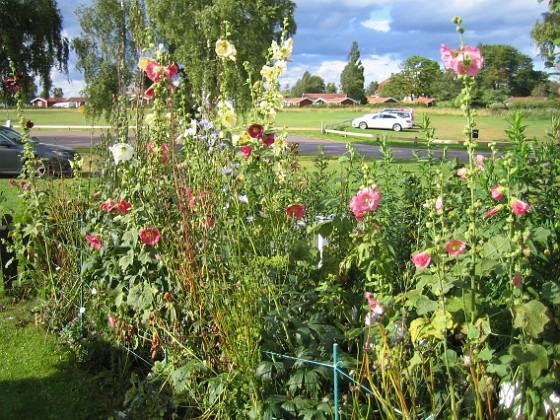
x=39 y=378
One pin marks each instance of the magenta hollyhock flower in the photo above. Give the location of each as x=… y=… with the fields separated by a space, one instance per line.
x=461 y=173
x=123 y=206
x=516 y=280
x=491 y=212
x=455 y=247
x=367 y=199
x=150 y=236
x=458 y=59
x=296 y=211
x=520 y=207
x=480 y=162
x=421 y=260
x=255 y=131
x=108 y=206
x=112 y=320
x=246 y=151
x=94 y=241
x=376 y=307
x=496 y=192
x=268 y=139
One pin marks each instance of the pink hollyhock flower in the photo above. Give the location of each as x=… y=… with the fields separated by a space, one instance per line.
x=366 y=200
x=491 y=212
x=123 y=206
x=255 y=131
x=246 y=151
x=461 y=173
x=516 y=280
x=455 y=247
x=458 y=59
x=496 y=192
x=190 y=195
x=12 y=182
x=296 y=211
x=480 y=162
x=112 y=320
x=150 y=236
x=376 y=307
x=421 y=260
x=268 y=139
x=520 y=207
x=150 y=93
x=154 y=70
x=154 y=149
x=108 y=206
x=171 y=71
x=94 y=241
x=439 y=203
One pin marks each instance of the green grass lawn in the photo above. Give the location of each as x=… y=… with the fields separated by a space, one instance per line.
x=39 y=378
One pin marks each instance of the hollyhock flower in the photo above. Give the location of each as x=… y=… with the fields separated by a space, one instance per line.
x=150 y=236
x=246 y=151
x=421 y=260
x=123 y=206
x=296 y=211
x=255 y=131
x=112 y=320
x=480 y=162
x=455 y=247
x=376 y=307
x=12 y=83
x=520 y=207
x=516 y=279
x=284 y=51
x=268 y=139
x=366 y=200
x=190 y=195
x=155 y=149
x=121 y=152
x=496 y=192
x=108 y=206
x=29 y=124
x=461 y=173
x=225 y=49
x=150 y=93
x=439 y=203
x=154 y=70
x=457 y=60
x=94 y=241
x=491 y=212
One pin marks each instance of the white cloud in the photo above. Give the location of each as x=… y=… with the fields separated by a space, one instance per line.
x=377 y=25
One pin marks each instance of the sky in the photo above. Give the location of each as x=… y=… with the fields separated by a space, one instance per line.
x=387 y=33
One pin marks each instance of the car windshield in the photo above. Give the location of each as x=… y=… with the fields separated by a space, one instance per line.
x=14 y=135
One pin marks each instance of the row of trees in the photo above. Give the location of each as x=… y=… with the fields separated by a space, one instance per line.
x=507 y=72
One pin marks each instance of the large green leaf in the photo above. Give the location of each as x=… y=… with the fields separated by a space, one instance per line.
x=551 y=292
x=140 y=297
x=531 y=356
x=531 y=317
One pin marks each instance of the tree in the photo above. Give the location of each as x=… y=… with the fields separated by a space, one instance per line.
x=31 y=38
x=352 y=76
x=57 y=92
x=107 y=51
x=447 y=86
x=546 y=34
x=372 y=89
x=331 y=88
x=190 y=30
x=395 y=87
x=418 y=75
x=308 y=84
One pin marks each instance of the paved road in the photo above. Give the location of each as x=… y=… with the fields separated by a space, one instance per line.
x=307 y=145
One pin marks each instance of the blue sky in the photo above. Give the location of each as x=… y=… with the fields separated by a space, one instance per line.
x=387 y=32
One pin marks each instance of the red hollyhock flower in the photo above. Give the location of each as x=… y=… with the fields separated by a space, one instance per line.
x=296 y=211
x=123 y=206
x=268 y=139
x=29 y=124
x=255 y=131
x=94 y=241
x=246 y=151
x=150 y=236
x=12 y=83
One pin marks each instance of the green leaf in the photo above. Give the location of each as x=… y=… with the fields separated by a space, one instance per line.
x=140 y=297
x=531 y=317
x=425 y=306
x=126 y=260
x=485 y=354
x=496 y=247
x=533 y=357
x=551 y=292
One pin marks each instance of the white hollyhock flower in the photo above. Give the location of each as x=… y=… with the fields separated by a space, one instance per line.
x=121 y=152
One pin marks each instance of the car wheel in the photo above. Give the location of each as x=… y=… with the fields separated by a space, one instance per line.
x=397 y=127
x=41 y=169
x=363 y=125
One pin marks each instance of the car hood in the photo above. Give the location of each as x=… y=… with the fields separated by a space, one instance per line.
x=46 y=148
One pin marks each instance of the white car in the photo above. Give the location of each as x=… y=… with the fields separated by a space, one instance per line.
x=383 y=120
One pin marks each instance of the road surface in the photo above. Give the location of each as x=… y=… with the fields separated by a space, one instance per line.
x=307 y=145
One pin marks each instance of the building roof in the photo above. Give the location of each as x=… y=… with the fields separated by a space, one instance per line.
x=375 y=100
x=325 y=96
x=425 y=101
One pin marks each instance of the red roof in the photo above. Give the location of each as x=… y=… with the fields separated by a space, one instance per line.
x=325 y=96
x=374 y=100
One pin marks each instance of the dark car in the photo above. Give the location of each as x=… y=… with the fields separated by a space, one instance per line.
x=50 y=159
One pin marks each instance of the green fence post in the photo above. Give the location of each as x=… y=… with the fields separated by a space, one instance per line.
x=335 y=370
